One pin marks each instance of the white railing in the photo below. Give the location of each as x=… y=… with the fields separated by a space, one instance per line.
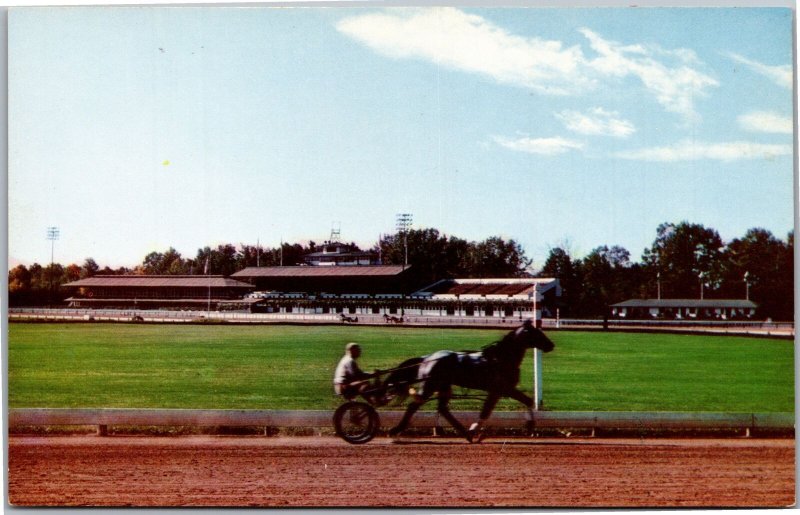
x=320 y=418
x=164 y=315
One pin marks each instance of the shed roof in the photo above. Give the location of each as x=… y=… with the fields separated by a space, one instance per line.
x=321 y=271
x=686 y=303
x=159 y=281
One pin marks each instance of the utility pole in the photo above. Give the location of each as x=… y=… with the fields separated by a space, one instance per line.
x=747 y=285
x=702 y=284
x=658 y=280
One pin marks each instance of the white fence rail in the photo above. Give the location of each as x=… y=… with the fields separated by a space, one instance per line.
x=186 y=316
x=320 y=418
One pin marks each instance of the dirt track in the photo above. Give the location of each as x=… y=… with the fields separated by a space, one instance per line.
x=311 y=472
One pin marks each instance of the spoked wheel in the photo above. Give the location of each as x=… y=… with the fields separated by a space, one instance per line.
x=356 y=422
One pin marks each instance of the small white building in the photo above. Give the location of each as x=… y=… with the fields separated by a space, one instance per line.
x=684 y=309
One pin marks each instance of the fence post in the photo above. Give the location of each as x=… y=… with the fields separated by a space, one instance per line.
x=537 y=358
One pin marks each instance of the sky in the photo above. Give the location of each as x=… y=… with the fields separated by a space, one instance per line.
x=134 y=130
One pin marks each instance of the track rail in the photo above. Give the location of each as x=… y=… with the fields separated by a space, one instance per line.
x=103 y=417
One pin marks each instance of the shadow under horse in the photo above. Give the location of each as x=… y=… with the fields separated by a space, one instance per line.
x=495 y=369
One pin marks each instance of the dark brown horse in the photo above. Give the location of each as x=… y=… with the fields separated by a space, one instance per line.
x=495 y=370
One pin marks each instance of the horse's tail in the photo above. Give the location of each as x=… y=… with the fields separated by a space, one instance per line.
x=401 y=378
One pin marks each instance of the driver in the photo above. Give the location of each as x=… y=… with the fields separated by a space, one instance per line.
x=349 y=380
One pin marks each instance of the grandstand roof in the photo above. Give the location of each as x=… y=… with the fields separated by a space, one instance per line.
x=321 y=271
x=490 y=287
x=159 y=281
x=686 y=303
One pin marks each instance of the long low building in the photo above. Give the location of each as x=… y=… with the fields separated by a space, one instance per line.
x=374 y=290
x=333 y=280
x=151 y=291
x=686 y=309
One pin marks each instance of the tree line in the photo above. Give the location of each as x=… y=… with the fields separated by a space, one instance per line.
x=683 y=259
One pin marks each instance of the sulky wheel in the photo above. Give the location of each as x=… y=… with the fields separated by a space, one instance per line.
x=356 y=422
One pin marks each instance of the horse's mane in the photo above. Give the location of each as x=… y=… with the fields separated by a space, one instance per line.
x=496 y=349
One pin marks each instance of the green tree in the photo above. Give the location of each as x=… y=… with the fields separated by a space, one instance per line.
x=560 y=265
x=89 y=268
x=685 y=255
x=495 y=257
x=167 y=263
x=763 y=263
x=19 y=280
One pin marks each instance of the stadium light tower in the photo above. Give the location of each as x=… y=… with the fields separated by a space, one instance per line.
x=52 y=235
x=403 y=223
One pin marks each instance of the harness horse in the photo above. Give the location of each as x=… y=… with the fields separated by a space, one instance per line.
x=495 y=370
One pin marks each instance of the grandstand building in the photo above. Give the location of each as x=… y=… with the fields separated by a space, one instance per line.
x=158 y=291
x=391 y=290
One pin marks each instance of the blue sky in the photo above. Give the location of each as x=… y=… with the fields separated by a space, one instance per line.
x=136 y=129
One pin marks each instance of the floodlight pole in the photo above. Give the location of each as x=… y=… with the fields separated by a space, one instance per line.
x=52 y=235
x=403 y=223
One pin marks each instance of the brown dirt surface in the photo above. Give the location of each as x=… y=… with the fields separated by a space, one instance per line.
x=325 y=471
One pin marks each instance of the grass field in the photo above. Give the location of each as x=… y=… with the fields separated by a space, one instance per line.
x=290 y=367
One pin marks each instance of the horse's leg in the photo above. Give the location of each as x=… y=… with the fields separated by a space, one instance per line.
x=444 y=409
x=476 y=429
x=403 y=424
x=413 y=406
x=528 y=402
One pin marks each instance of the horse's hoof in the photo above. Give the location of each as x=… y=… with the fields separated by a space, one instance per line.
x=475 y=436
x=395 y=431
x=529 y=427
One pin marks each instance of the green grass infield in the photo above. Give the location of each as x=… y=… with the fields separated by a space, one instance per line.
x=291 y=367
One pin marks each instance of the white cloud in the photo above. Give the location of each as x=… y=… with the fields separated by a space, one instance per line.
x=453 y=38
x=541 y=146
x=675 y=88
x=766 y=121
x=780 y=75
x=597 y=122
x=692 y=151
x=450 y=37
